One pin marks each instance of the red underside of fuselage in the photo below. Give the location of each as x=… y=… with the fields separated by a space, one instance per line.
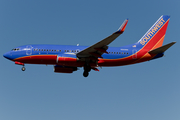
x=52 y=60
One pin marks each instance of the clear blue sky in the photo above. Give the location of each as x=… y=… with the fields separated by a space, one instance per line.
x=145 y=91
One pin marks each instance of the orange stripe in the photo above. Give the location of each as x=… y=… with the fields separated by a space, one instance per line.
x=159 y=44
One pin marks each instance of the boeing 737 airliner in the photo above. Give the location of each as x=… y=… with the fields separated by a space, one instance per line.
x=67 y=59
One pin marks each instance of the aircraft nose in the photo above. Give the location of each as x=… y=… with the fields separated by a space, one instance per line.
x=7 y=55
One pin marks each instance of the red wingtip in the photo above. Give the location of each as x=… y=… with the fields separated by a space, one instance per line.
x=123 y=27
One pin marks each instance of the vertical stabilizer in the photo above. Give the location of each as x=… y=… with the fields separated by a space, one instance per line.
x=154 y=37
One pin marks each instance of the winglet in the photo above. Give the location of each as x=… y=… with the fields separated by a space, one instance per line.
x=122 y=28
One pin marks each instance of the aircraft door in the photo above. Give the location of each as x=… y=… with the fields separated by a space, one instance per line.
x=28 y=50
x=134 y=51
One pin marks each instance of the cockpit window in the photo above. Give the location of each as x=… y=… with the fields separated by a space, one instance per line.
x=15 y=49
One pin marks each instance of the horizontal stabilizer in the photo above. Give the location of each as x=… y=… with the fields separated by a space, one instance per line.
x=161 y=49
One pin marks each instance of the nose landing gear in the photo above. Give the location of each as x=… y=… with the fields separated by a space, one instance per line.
x=19 y=63
x=23 y=68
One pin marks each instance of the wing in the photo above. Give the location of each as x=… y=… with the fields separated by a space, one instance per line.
x=96 y=50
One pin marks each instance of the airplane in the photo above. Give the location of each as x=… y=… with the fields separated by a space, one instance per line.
x=68 y=58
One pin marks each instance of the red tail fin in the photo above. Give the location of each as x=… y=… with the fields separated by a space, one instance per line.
x=154 y=37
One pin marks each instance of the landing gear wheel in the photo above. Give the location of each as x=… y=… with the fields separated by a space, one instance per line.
x=87 y=69
x=86 y=73
x=23 y=68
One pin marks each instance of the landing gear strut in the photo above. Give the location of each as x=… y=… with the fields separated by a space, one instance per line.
x=87 y=69
x=19 y=63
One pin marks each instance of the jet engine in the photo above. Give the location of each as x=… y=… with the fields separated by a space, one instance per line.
x=64 y=69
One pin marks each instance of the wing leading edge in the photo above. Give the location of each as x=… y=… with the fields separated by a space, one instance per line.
x=99 y=48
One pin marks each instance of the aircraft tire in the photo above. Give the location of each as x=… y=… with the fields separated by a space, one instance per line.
x=86 y=73
x=23 y=68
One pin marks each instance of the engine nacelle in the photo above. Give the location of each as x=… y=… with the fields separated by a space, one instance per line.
x=64 y=69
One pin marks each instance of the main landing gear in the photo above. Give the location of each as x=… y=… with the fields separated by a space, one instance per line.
x=87 y=69
x=85 y=73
